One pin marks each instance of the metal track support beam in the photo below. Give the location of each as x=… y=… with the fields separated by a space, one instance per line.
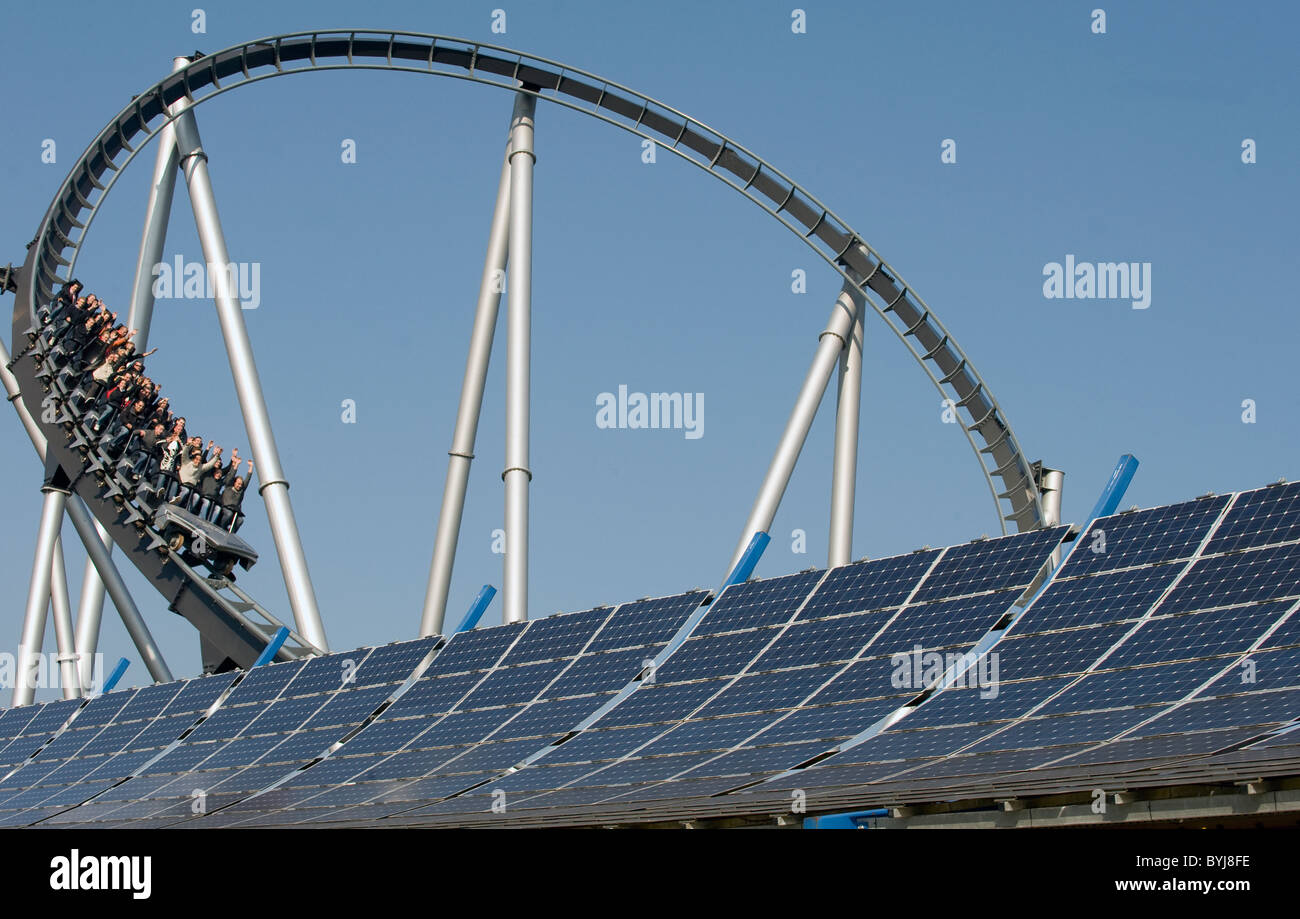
x=467 y=415
x=248 y=386
x=517 y=475
x=845 y=471
x=832 y=341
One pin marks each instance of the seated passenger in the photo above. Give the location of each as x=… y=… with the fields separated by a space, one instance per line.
x=232 y=498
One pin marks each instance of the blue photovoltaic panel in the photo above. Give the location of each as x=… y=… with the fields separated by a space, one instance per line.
x=702 y=656
x=1198 y=743
x=607 y=669
x=552 y=717
x=900 y=746
x=1053 y=653
x=514 y=685
x=944 y=623
x=1149 y=537
x=263 y=683
x=869 y=585
x=714 y=734
x=560 y=636
x=1111 y=597
x=433 y=693
x=969 y=705
x=197 y=695
x=350 y=707
x=1135 y=686
x=865 y=679
x=1199 y=634
x=758 y=603
x=822 y=641
x=1262 y=574
x=831 y=723
x=990 y=564
x=1252 y=708
x=657 y=703
x=1259 y=518
x=647 y=621
x=1287 y=633
x=476 y=650
x=327 y=673
x=767 y=692
x=1058 y=730
x=392 y=663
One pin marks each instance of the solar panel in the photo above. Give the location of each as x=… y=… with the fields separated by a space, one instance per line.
x=1139 y=654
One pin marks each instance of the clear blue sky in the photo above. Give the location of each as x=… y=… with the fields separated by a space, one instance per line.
x=1117 y=147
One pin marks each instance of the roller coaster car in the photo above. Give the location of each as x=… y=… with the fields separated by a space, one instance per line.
x=199 y=542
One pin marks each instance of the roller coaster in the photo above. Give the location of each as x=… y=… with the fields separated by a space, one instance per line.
x=106 y=509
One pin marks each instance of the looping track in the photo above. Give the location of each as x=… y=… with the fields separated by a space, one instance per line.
x=64 y=227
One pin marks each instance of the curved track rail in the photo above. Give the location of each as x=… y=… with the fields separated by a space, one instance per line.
x=63 y=229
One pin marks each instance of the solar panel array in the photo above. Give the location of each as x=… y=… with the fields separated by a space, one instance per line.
x=777 y=672
x=1167 y=634
x=1165 y=648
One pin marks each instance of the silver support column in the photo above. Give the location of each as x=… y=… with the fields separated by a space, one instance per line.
x=153 y=238
x=845 y=472
x=838 y=330
x=518 y=347
x=38 y=597
x=84 y=523
x=467 y=415
x=64 y=638
x=1053 y=480
x=275 y=487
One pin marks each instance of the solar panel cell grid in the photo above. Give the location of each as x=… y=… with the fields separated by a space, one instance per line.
x=1095 y=600
x=822 y=641
x=989 y=564
x=1149 y=537
x=1261 y=517
x=758 y=603
x=870 y=585
x=715 y=655
x=646 y=621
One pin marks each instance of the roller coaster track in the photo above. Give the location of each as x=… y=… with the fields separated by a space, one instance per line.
x=53 y=253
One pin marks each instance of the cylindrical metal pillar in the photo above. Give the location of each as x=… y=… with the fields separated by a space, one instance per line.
x=467 y=415
x=64 y=637
x=838 y=330
x=38 y=597
x=84 y=524
x=239 y=350
x=517 y=475
x=844 y=475
x=153 y=238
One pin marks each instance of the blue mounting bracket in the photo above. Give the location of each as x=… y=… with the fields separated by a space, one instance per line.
x=477 y=608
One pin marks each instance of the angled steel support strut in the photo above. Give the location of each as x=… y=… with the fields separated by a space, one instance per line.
x=467 y=415
x=248 y=387
x=839 y=330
